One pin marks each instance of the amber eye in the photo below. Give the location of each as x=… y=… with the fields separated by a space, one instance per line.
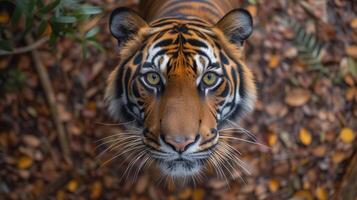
x=152 y=78
x=210 y=79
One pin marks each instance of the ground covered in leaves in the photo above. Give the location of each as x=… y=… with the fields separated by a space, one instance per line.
x=304 y=57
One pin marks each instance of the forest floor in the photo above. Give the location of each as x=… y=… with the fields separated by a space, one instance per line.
x=306 y=113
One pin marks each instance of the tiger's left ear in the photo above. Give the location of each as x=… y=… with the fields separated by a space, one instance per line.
x=237 y=25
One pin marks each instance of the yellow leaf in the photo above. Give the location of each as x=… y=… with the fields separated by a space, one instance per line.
x=305 y=136
x=338 y=157
x=198 y=194
x=273 y=185
x=321 y=193
x=274 y=61
x=347 y=135
x=72 y=185
x=24 y=162
x=4 y=17
x=272 y=139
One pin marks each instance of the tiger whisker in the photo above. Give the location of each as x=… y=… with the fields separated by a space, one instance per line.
x=247 y=141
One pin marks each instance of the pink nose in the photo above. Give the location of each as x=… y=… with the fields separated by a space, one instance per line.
x=179 y=143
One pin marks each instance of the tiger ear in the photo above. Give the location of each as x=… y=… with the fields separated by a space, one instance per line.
x=124 y=23
x=237 y=25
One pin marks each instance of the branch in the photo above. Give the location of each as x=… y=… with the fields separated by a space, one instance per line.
x=28 y=48
x=51 y=98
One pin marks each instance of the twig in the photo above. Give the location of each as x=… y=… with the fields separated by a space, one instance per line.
x=47 y=86
x=28 y=48
x=347 y=189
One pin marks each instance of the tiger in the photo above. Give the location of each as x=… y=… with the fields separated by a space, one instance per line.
x=180 y=80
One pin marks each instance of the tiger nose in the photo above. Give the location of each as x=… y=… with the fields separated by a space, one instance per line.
x=179 y=143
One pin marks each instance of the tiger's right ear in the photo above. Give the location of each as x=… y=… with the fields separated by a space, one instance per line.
x=124 y=23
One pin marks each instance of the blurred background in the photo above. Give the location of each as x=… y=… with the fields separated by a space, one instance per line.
x=55 y=57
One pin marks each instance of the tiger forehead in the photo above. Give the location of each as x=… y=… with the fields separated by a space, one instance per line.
x=184 y=44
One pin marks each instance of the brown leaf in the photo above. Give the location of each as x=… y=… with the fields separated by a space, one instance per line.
x=273 y=185
x=198 y=194
x=72 y=185
x=274 y=61
x=297 y=97
x=31 y=140
x=96 y=190
x=24 y=162
x=321 y=193
x=353 y=23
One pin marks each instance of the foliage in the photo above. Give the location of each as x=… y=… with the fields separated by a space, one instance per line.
x=56 y=18
x=309 y=48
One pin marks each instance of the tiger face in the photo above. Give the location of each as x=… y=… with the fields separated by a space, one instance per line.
x=180 y=80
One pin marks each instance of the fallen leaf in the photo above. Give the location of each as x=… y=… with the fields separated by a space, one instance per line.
x=303 y=195
x=347 y=135
x=273 y=185
x=48 y=30
x=349 y=80
x=319 y=151
x=297 y=97
x=274 y=61
x=338 y=157
x=185 y=194
x=4 y=17
x=321 y=193
x=96 y=190
x=24 y=162
x=31 y=140
x=305 y=136
x=142 y=184
x=198 y=194
x=72 y=185
x=353 y=23
x=351 y=51
x=272 y=139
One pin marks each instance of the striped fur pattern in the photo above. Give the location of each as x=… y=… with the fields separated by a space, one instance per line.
x=181 y=78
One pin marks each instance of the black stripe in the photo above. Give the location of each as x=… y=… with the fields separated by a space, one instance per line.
x=196 y=43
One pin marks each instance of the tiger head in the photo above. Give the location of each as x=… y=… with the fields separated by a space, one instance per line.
x=180 y=80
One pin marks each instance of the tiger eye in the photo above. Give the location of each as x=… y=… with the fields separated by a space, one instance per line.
x=153 y=78
x=209 y=79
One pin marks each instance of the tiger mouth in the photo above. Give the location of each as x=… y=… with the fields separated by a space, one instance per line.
x=180 y=167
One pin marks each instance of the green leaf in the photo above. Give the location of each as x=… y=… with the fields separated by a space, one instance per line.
x=89 y=10
x=49 y=7
x=65 y=19
x=42 y=27
x=16 y=15
x=5 y=45
x=97 y=45
x=91 y=33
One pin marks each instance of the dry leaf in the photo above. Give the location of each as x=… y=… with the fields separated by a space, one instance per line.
x=96 y=190
x=303 y=195
x=353 y=23
x=321 y=193
x=72 y=185
x=347 y=135
x=48 y=30
x=272 y=139
x=319 y=151
x=4 y=17
x=31 y=140
x=24 y=162
x=185 y=194
x=351 y=51
x=274 y=61
x=297 y=97
x=273 y=185
x=198 y=194
x=305 y=136
x=338 y=157
x=142 y=184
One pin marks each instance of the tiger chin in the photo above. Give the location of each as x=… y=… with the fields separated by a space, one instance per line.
x=180 y=81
